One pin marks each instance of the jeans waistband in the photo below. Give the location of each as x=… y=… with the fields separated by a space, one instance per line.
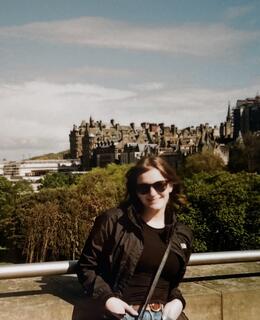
x=155 y=307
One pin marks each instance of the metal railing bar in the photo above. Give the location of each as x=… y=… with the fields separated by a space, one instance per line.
x=224 y=257
x=25 y=270
x=11 y=271
x=221 y=276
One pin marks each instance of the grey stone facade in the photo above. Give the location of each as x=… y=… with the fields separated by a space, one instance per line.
x=98 y=144
x=246 y=116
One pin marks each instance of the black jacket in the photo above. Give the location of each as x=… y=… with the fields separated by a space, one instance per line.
x=114 y=247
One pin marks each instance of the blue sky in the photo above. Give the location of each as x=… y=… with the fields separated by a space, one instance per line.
x=171 y=61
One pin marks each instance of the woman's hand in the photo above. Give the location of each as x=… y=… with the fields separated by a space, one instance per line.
x=116 y=305
x=172 y=310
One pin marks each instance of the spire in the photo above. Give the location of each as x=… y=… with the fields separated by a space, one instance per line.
x=228 y=113
x=91 y=122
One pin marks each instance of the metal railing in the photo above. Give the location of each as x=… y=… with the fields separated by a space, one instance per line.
x=11 y=271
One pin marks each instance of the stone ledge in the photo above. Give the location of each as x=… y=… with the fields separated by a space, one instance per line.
x=61 y=297
x=229 y=299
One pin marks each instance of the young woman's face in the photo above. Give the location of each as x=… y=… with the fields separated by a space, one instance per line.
x=153 y=189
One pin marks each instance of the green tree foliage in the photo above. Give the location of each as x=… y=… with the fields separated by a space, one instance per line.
x=206 y=161
x=223 y=210
x=10 y=194
x=245 y=154
x=238 y=160
x=54 y=223
x=6 y=207
x=58 y=180
x=5 y=196
x=50 y=224
x=105 y=188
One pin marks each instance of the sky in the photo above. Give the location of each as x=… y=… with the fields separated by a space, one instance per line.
x=171 y=61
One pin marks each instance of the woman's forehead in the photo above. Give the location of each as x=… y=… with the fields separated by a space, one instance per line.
x=150 y=176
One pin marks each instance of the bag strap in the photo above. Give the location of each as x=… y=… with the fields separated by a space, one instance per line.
x=155 y=280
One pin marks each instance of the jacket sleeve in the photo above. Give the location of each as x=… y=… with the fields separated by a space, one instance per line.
x=88 y=267
x=185 y=238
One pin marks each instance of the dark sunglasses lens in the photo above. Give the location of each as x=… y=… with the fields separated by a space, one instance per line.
x=143 y=188
x=160 y=186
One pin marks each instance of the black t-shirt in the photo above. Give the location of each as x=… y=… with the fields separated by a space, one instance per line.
x=154 y=248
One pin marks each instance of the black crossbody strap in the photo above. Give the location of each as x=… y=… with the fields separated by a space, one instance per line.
x=155 y=280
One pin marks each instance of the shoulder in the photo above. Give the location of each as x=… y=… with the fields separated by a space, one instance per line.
x=109 y=216
x=113 y=213
x=184 y=232
x=106 y=221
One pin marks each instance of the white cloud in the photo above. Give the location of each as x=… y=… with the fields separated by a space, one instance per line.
x=99 y=71
x=148 y=86
x=36 y=117
x=192 y=39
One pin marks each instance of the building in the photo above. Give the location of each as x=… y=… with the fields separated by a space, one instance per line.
x=226 y=128
x=97 y=144
x=33 y=170
x=246 y=116
x=1 y=168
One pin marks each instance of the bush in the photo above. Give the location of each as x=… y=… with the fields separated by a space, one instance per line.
x=222 y=210
x=10 y=195
x=58 y=180
x=202 y=162
x=54 y=223
x=245 y=154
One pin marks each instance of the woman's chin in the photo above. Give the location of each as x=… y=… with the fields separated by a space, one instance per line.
x=155 y=206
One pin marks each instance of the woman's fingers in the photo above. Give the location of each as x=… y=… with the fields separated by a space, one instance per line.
x=115 y=305
x=131 y=310
x=119 y=306
x=172 y=310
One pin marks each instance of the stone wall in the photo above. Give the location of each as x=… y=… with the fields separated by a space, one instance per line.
x=207 y=296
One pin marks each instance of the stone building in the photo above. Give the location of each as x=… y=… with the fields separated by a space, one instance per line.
x=246 y=116
x=226 y=128
x=98 y=144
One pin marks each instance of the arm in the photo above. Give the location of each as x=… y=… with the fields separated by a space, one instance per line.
x=88 y=267
x=89 y=271
x=177 y=302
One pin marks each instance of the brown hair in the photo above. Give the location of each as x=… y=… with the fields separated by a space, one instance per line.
x=144 y=165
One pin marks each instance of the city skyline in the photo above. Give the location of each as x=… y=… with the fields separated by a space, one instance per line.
x=177 y=62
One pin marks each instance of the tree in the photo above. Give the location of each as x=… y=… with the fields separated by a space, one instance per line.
x=10 y=194
x=6 y=208
x=245 y=154
x=252 y=146
x=238 y=160
x=50 y=223
x=58 y=180
x=203 y=162
x=224 y=210
x=54 y=223
x=105 y=186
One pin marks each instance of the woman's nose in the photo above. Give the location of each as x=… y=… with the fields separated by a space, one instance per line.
x=152 y=191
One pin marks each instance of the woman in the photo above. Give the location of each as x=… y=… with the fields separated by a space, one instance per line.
x=126 y=245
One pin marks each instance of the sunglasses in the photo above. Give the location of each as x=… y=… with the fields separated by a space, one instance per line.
x=158 y=186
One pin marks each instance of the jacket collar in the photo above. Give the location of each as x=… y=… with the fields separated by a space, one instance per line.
x=170 y=220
